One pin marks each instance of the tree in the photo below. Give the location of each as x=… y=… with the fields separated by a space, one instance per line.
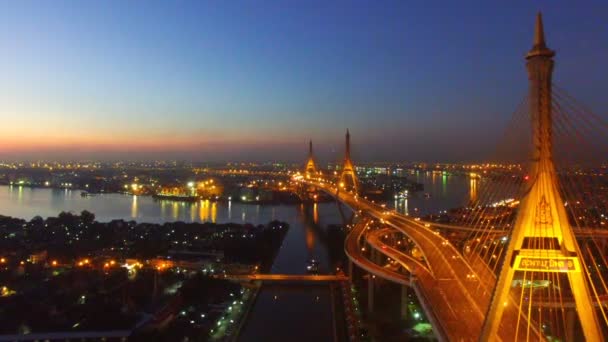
x=87 y=217
x=37 y=220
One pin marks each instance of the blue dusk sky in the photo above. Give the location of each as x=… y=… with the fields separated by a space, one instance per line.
x=254 y=80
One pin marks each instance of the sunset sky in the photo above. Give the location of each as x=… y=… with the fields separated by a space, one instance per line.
x=254 y=80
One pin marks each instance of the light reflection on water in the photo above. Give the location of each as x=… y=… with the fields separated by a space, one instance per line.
x=473 y=189
x=441 y=192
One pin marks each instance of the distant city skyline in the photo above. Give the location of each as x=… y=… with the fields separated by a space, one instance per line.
x=255 y=81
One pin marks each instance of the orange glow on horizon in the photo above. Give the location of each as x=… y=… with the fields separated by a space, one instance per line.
x=132 y=143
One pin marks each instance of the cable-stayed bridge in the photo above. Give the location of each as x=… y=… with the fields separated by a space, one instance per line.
x=537 y=271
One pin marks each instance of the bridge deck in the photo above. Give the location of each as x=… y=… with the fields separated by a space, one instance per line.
x=353 y=251
x=285 y=277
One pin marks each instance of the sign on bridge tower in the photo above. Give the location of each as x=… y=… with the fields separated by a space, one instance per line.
x=348 y=176
x=542 y=243
x=311 y=166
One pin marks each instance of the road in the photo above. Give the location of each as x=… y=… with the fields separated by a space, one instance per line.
x=354 y=253
x=411 y=264
x=284 y=277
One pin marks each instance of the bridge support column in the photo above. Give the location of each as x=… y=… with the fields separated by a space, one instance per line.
x=405 y=301
x=376 y=257
x=570 y=324
x=370 y=294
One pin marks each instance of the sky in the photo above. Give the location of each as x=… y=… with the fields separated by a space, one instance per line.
x=255 y=80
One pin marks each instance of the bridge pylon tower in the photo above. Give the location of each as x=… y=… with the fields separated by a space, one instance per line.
x=311 y=167
x=542 y=244
x=348 y=175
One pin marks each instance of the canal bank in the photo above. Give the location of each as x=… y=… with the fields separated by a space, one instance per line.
x=256 y=286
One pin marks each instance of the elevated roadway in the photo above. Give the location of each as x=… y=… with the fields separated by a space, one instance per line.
x=578 y=232
x=353 y=251
x=284 y=277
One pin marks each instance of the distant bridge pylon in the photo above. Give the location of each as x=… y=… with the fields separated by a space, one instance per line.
x=348 y=174
x=311 y=166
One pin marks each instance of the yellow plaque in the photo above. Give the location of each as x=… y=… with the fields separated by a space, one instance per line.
x=547 y=264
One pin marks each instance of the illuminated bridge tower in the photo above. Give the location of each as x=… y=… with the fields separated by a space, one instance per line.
x=348 y=176
x=542 y=244
x=311 y=166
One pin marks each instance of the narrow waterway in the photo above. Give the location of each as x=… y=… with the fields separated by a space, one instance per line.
x=296 y=312
x=290 y=313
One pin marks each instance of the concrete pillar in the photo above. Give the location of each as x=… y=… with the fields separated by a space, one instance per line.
x=381 y=259
x=370 y=294
x=570 y=324
x=372 y=254
x=376 y=257
x=405 y=300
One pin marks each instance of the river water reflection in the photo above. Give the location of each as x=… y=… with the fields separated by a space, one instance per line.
x=441 y=192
